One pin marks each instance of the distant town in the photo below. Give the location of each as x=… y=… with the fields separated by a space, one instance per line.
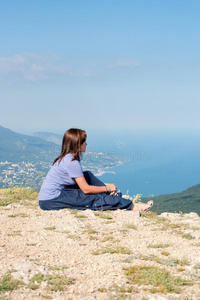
x=22 y=173
x=32 y=174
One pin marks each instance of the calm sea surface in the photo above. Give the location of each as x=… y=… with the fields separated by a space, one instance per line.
x=159 y=162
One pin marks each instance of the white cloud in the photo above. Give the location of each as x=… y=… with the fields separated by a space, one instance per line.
x=122 y=62
x=127 y=63
x=34 y=67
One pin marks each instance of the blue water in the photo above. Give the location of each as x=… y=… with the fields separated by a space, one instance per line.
x=159 y=162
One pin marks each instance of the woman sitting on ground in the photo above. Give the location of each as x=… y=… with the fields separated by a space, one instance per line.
x=67 y=186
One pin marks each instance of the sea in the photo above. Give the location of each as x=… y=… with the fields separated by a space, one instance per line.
x=158 y=161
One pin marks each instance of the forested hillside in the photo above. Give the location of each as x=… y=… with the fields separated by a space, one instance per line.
x=186 y=201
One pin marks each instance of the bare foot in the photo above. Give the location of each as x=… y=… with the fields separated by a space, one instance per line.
x=142 y=206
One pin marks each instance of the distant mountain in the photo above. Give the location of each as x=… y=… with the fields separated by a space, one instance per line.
x=50 y=137
x=15 y=147
x=185 y=202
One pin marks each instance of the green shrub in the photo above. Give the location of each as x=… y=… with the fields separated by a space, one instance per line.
x=7 y=283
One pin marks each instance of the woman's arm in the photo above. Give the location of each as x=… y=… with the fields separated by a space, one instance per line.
x=92 y=189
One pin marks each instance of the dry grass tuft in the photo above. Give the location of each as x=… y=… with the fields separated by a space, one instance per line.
x=159 y=279
x=122 y=250
x=24 y=196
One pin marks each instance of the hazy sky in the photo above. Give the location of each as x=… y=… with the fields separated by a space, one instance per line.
x=99 y=64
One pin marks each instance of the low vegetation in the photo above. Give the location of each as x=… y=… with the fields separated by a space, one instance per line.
x=170 y=261
x=54 y=282
x=18 y=215
x=90 y=230
x=159 y=279
x=8 y=283
x=158 y=246
x=25 y=196
x=131 y=226
x=58 y=268
x=122 y=250
x=51 y=228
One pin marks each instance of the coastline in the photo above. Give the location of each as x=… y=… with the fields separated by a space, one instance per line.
x=101 y=172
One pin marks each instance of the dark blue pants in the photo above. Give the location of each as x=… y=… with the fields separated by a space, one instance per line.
x=73 y=197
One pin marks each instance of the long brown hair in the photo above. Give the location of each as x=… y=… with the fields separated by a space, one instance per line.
x=71 y=143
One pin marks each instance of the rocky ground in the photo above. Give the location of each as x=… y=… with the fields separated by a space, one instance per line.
x=97 y=255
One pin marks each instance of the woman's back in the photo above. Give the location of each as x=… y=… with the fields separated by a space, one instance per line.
x=60 y=175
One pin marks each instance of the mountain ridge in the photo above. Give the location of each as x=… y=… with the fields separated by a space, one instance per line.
x=49 y=136
x=183 y=202
x=15 y=147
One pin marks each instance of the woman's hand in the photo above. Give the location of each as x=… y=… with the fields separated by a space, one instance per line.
x=114 y=194
x=112 y=187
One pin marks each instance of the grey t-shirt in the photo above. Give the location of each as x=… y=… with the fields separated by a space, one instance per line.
x=59 y=176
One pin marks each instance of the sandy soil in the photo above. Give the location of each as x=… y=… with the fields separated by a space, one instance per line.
x=71 y=244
